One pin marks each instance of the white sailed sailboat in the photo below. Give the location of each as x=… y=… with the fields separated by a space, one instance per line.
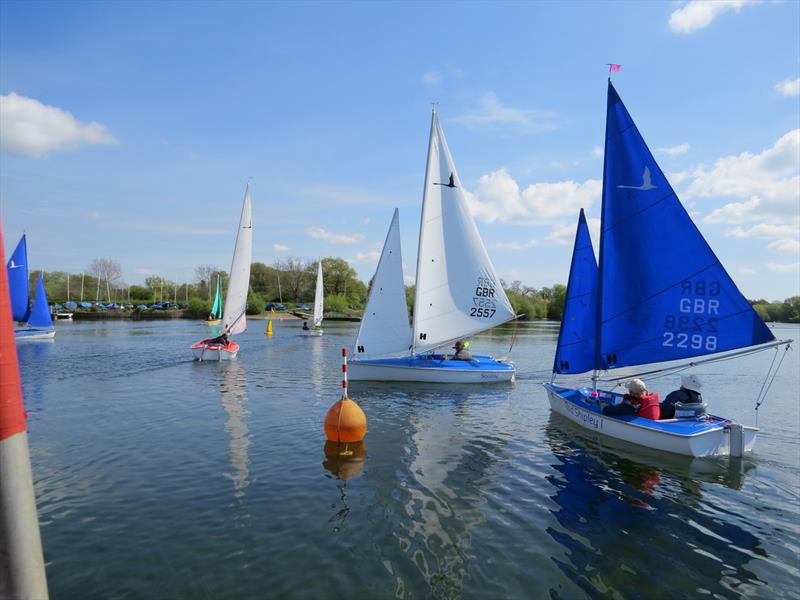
x=234 y=320
x=458 y=293
x=319 y=293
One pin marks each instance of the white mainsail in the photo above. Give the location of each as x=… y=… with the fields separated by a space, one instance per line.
x=233 y=317
x=384 y=329
x=458 y=292
x=318 y=296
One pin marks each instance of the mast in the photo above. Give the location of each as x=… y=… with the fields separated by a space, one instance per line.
x=419 y=240
x=82 y=274
x=599 y=312
x=280 y=295
x=67 y=287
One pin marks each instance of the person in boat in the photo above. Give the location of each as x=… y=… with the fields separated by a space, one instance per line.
x=461 y=351
x=638 y=401
x=221 y=339
x=305 y=326
x=689 y=393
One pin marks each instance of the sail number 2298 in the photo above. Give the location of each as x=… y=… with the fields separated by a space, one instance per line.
x=695 y=341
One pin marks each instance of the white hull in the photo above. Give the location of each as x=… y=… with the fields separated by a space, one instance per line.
x=370 y=372
x=22 y=334
x=210 y=354
x=710 y=443
x=313 y=332
x=63 y=316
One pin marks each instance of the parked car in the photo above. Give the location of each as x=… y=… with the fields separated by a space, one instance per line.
x=303 y=307
x=274 y=306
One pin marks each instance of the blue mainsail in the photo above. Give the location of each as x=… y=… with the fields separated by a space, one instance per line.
x=663 y=293
x=17 y=268
x=40 y=313
x=576 y=338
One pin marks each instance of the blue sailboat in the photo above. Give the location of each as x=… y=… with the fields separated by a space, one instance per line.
x=659 y=299
x=35 y=320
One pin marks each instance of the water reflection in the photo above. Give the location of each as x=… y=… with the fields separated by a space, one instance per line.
x=449 y=449
x=234 y=396
x=630 y=524
x=345 y=461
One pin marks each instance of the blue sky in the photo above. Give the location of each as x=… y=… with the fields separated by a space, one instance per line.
x=129 y=130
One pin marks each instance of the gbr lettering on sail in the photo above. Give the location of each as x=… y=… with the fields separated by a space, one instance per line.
x=696 y=317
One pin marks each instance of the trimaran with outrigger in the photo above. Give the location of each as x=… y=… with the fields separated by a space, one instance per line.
x=234 y=320
x=660 y=298
x=458 y=292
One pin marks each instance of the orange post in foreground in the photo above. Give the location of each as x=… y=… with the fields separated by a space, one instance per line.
x=22 y=573
x=345 y=421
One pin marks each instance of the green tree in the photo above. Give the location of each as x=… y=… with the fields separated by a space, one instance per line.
x=555 y=306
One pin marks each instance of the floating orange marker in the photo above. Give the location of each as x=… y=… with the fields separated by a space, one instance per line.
x=345 y=421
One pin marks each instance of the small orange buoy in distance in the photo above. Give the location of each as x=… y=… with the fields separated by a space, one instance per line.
x=345 y=421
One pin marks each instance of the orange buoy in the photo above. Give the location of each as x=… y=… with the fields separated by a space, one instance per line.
x=345 y=421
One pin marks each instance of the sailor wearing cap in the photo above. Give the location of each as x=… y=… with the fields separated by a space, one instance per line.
x=688 y=394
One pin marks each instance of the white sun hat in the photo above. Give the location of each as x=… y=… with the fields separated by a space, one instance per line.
x=691 y=382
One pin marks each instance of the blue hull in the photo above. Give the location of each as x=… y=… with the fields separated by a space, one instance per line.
x=431 y=368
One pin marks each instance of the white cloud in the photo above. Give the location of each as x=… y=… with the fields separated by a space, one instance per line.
x=788 y=87
x=674 y=150
x=747 y=271
x=33 y=129
x=498 y=198
x=514 y=245
x=598 y=151
x=494 y=114
x=280 y=248
x=564 y=233
x=367 y=256
x=144 y=271
x=785 y=246
x=773 y=176
x=334 y=238
x=763 y=230
x=783 y=267
x=432 y=78
x=409 y=279
x=698 y=14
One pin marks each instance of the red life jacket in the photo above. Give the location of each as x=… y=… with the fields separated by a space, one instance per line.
x=649 y=407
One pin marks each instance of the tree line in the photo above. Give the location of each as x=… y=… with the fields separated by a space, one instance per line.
x=292 y=281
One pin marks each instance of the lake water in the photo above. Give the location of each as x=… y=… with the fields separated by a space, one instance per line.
x=159 y=477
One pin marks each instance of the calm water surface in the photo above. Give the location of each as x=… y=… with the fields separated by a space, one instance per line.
x=158 y=477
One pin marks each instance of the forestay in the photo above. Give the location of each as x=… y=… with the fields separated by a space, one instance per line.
x=576 y=337
x=17 y=268
x=663 y=293
x=385 y=329
x=318 y=296
x=458 y=292
x=233 y=319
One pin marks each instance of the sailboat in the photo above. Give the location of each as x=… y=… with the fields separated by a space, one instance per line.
x=319 y=292
x=234 y=320
x=458 y=292
x=658 y=295
x=36 y=321
x=215 y=315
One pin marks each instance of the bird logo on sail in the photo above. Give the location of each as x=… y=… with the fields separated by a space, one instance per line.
x=647 y=182
x=13 y=265
x=450 y=184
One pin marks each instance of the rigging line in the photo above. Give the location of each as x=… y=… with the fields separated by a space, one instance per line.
x=731 y=356
x=772 y=380
x=766 y=378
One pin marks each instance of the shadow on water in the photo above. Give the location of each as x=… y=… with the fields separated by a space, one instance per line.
x=639 y=525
